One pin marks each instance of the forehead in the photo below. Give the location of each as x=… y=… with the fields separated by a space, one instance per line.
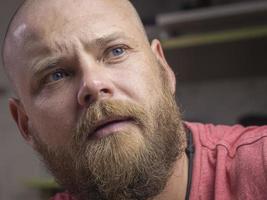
x=50 y=19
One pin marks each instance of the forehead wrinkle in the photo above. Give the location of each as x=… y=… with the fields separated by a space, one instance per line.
x=36 y=44
x=104 y=40
x=71 y=47
x=51 y=57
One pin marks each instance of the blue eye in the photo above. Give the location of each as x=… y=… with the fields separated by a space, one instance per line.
x=118 y=51
x=116 y=54
x=57 y=75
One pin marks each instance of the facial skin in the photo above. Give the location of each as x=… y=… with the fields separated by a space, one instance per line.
x=95 y=99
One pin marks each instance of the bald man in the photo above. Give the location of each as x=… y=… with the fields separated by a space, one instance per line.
x=96 y=100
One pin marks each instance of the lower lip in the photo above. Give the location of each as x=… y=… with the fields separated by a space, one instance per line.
x=111 y=129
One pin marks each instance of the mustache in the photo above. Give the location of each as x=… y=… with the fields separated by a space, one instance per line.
x=106 y=111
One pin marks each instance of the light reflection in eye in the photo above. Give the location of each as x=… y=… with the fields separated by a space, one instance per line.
x=118 y=51
x=58 y=75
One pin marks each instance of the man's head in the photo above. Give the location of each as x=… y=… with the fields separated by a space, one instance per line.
x=94 y=98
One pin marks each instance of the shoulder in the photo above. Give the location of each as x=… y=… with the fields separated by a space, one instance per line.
x=229 y=158
x=231 y=138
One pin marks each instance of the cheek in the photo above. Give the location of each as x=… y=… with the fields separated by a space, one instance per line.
x=54 y=118
x=139 y=81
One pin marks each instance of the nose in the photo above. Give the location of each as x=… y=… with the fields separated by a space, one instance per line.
x=95 y=85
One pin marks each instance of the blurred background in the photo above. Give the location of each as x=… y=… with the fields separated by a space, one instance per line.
x=218 y=50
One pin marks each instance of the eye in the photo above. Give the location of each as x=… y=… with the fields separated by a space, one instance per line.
x=117 y=51
x=57 y=75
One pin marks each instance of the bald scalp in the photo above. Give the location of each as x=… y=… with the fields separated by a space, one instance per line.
x=28 y=11
x=7 y=42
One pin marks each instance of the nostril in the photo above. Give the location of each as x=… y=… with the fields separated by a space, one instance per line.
x=87 y=98
x=105 y=91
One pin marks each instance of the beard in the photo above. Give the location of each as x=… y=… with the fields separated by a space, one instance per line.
x=133 y=164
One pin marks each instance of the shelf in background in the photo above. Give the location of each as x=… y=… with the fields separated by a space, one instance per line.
x=217 y=42
x=215 y=37
x=213 y=18
x=213 y=59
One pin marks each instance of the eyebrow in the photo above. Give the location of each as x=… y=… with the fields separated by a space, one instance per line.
x=102 y=41
x=47 y=60
x=39 y=66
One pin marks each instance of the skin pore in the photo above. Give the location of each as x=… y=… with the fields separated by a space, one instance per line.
x=93 y=74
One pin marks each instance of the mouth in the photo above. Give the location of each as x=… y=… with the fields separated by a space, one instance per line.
x=110 y=126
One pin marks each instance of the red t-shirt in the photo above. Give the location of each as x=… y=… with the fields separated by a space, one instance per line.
x=230 y=163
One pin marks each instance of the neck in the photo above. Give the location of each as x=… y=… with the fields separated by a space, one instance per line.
x=176 y=186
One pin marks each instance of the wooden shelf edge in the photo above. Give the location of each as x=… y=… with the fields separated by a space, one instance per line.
x=214 y=12
x=215 y=37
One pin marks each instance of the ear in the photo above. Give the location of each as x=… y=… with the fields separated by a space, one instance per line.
x=158 y=51
x=20 y=117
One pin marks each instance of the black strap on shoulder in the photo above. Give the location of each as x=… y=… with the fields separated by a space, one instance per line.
x=190 y=150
